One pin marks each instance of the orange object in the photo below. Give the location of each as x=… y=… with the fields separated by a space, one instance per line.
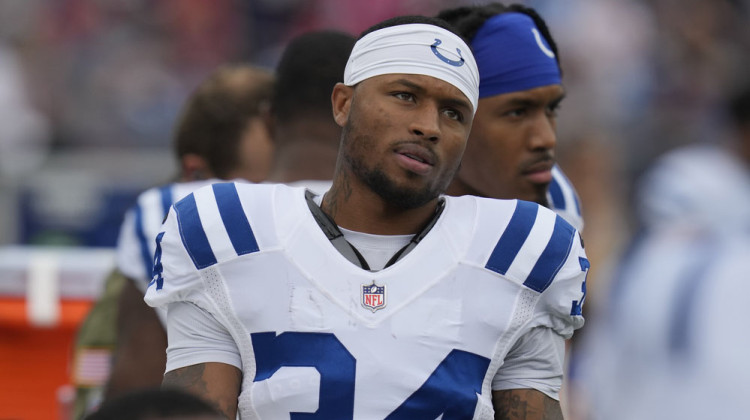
x=14 y=313
x=35 y=362
x=45 y=294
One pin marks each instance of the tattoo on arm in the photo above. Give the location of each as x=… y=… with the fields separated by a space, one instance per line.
x=217 y=383
x=525 y=404
x=190 y=377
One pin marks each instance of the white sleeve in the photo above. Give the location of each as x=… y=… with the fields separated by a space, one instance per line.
x=195 y=336
x=176 y=277
x=560 y=306
x=535 y=361
x=130 y=254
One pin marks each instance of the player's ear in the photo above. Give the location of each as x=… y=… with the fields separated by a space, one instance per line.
x=268 y=117
x=193 y=168
x=341 y=100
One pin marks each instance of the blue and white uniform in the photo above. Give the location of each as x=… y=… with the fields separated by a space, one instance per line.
x=137 y=241
x=136 y=244
x=563 y=199
x=251 y=280
x=673 y=341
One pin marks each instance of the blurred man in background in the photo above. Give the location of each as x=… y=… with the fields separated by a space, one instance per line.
x=221 y=135
x=671 y=341
x=305 y=135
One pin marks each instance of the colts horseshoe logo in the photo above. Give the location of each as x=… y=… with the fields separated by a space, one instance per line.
x=538 y=38
x=457 y=63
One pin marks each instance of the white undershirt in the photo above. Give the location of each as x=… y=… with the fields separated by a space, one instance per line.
x=376 y=249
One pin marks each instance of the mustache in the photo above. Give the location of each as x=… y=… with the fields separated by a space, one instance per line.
x=540 y=160
x=424 y=148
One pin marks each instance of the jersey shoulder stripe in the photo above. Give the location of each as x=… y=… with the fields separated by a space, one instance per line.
x=559 y=188
x=553 y=257
x=557 y=199
x=150 y=208
x=513 y=237
x=210 y=208
x=166 y=195
x=235 y=221
x=191 y=231
x=533 y=247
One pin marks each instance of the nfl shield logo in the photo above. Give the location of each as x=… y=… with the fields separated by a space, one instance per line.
x=373 y=296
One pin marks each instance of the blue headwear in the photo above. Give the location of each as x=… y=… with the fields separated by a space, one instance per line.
x=512 y=55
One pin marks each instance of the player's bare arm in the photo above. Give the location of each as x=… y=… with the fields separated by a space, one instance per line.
x=217 y=383
x=525 y=404
x=140 y=357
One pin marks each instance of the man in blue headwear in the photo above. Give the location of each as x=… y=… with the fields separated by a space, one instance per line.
x=510 y=152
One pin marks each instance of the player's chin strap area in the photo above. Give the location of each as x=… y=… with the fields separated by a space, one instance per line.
x=333 y=233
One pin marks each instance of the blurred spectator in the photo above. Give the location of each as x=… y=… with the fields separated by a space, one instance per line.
x=24 y=132
x=642 y=77
x=306 y=137
x=670 y=339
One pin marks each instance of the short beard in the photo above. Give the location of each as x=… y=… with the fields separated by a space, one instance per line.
x=394 y=195
x=376 y=178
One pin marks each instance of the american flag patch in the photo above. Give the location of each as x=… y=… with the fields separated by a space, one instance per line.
x=92 y=366
x=373 y=296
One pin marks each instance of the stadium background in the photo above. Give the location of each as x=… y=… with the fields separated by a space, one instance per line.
x=89 y=91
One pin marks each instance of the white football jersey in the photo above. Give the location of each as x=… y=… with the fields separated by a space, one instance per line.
x=137 y=240
x=563 y=199
x=317 y=334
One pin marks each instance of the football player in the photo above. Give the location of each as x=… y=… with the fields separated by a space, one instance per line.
x=383 y=298
x=511 y=148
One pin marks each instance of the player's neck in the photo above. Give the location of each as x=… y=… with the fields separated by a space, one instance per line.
x=360 y=209
x=307 y=133
x=302 y=160
x=458 y=188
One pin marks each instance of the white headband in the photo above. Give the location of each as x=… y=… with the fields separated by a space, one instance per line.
x=415 y=48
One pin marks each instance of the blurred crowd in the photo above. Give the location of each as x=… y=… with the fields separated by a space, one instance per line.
x=106 y=78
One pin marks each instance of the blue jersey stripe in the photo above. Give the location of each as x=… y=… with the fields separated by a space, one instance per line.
x=165 y=193
x=146 y=257
x=191 y=231
x=555 y=192
x=688 y=294
x=234 y=218
x=578 y=203
x=513 y=238
x=553 y=257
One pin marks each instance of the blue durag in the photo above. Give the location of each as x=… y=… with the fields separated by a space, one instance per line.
x=512 y=55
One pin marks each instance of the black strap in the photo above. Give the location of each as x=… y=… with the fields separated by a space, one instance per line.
x=333 y=233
